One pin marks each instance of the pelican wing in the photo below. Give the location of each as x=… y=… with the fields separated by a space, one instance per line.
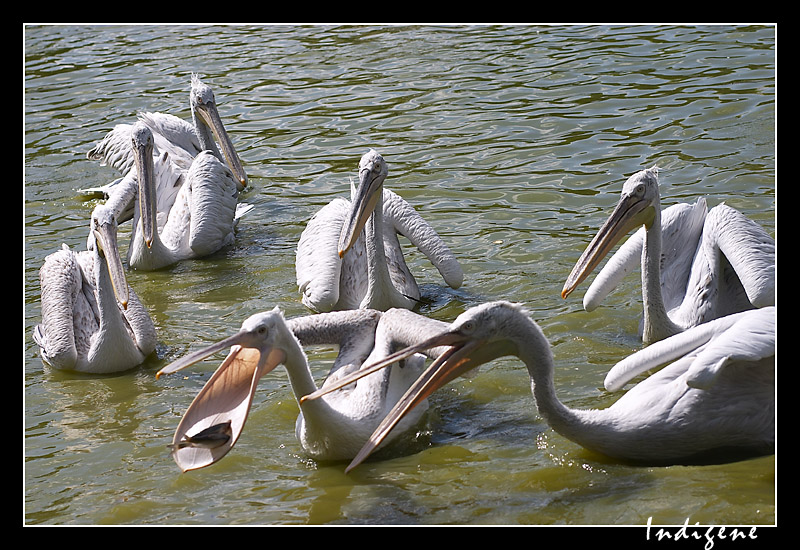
x=318 y=266
x=407 y=222
x=212 y=197
x=352 y=330
x=114 y=149
x=749 y=250
x=174 y=135
x=62 y=299
x=681 y=227
x=705 y=348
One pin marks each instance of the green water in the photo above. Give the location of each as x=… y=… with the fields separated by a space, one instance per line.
x=512 y=141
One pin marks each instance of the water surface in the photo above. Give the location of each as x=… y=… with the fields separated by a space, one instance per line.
x=512 y=141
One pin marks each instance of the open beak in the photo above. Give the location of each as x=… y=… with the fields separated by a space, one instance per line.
x=105 y=235
x=208 y=112
x=370 y=189
x=630 y=213
x=216 y=417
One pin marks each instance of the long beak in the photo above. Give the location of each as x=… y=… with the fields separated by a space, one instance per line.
x=225 y=401
x=629 y=213
x=455 y=361
x=370 y=189
x=143 y=157
x=389 y=360
x=106 y=238
x=211 y=117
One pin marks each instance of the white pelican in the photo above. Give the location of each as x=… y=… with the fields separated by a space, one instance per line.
x=201 y=220
x=715 y=403
x=176 y=143
x=349 y=257
x=333 y=428
x=173 y=135
x=92 y=321
x=709 y=264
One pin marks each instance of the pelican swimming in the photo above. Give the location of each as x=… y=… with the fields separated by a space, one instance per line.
x=176 y=142
x=333 y=428
x=709 y=264
x=92 y=321
x=349 y=256
x=201 y=220
x=181 y=140
x=716 y=402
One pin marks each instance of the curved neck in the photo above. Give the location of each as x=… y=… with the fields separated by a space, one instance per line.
x=297 y=368
x=534 y=350
x=657 y=324
x=585 y=427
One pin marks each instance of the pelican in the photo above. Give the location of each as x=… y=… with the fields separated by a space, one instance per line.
x=333 y=428
x=173 y=135
x=710 y=263
x=716 y=402
x=337 y=269
x=176 y=142
x=201 y=220
x=92 y=321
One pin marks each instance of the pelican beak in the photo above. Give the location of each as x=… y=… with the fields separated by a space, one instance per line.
x=105 y=234
x=143 y=158
x=461 y=355
x=215 y=419
x=630 y=213
x=210 y=116
x=370 y=189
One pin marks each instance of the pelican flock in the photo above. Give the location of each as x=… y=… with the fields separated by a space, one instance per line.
x=332 y=428
x=697 y=265
x=704 y=385
x=349 y=256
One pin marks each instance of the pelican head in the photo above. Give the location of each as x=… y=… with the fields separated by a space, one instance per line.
x=222 y=406
x=372 y=171
x=638 y=205
x=204 y=108
x=103 y=239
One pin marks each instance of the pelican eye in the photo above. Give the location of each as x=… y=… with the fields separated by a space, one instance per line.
x=468 y=327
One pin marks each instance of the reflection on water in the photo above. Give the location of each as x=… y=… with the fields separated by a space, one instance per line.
x=512 y=141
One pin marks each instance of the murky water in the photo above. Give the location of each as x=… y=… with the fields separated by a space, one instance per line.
x=512 y=141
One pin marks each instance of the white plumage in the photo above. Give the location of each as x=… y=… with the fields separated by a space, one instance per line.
x=697 y=265
x=92 y=321
x=349 y=255
x=201 y=220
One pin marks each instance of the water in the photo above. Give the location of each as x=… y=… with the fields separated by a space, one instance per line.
x=512 y=141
